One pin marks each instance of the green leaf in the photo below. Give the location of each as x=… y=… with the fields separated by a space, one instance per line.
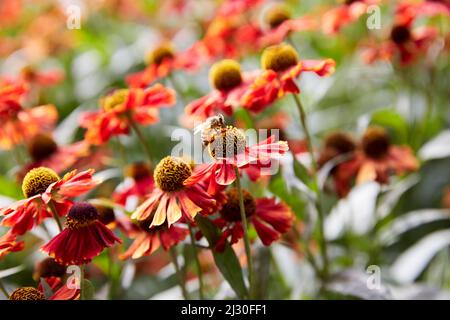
x=9 y=188
x=394 y=122
x=278 y=187
x=87 y=290
x=226 y=261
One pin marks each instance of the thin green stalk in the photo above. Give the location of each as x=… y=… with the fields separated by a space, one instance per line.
x=141 y=138
x=3 y=290
x=248 y=251
x=318 y=202
x=181 y=282
x=51 y=205
x=197 y=263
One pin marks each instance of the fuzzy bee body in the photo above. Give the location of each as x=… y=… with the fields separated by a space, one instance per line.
x=210 y=128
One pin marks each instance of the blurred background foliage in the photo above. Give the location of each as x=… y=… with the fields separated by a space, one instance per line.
x=402 y=227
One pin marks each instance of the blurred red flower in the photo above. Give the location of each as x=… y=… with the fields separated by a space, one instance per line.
x=121 y=107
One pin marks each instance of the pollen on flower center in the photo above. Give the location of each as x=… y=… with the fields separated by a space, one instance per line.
x=227 y=143
x=161 y=53
x=277 y=15
x=27 y=293
x=225 y=75
x=114 y=99
x=170 y=174
x=279 y=57
x=81 y=214
x=375 y=142
x=37 y=180
x=41 y=146
x=49 y=268
x=400 y=34
x=138 y=170
x=231 y=210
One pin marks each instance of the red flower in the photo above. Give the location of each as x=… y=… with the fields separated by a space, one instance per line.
x=282 y=67
x=375 y=160
x=31 y=293
x=139 y=184
x=20 y=124
x=226 y=156
x=122 y=106
x=83 y=238
x=280 y=24
x=147 y=240
x=9 y=243
x=162 y=61
x=405 y=42
x=232 y=8
x=270 y=218
x=41 y=78
x=344 y=14
x=42 y=186
x=45 y=152
x=171 y=200
x=229 y=86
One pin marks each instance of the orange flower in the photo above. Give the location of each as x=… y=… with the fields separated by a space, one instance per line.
x=229 y=85
x=122 y=106
x=139 y=183
x=18 y=123
x=31 y=293
x=9 y=243
x=282 y=66
x=228 y=150
x=405 y=42
x=162 y=61
x=83 y=238
x=270 y=218
x=45 y=152
x=350 y=11
x=41 y=78
x=42 y=186
x=375 y=160
x=171 y=200
x=280 y=24
x=147 y=240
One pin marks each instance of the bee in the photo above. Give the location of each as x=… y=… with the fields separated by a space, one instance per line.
x=210 y=128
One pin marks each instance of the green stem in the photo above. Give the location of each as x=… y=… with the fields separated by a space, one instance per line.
x=51 y=205
x=3 y=290
x=177 y=88
x=248 y=251
x=141 y=138
x=181 y=282
x=318 y=202
x=197 y=263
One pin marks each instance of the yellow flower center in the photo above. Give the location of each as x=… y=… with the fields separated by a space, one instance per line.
x=279 y=57
x=37 y=180
x=277 y=15
x=41 y=147
x=138 y=170
x=161 y=53
x=27 y=293
x=227 y=143
x=231 y=210
x=225 y=75
x=81 y=215
x=49 y=268
x=170 y=174
x=114 y=99
x=376 y=142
